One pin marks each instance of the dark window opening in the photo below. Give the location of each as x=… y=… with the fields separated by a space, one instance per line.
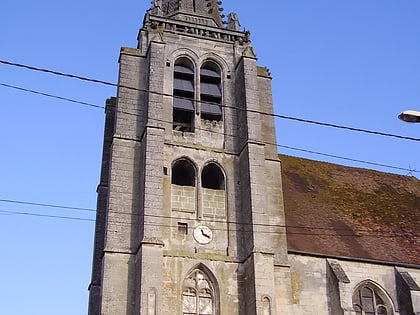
x=212 y=177
x=183 y=120
x=183 y=174
x=182 y=228
x=211 y=92
x=183 y=91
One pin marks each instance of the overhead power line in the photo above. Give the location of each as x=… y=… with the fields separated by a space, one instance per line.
x=379 y=133
x=303 y=230
x=31 y=214
x=244 y=227
x=62 y=74
x=55 y=206
x=50 y=95
x=236 y=108
x=348 y=159
x=45 y=205
x=222 y=133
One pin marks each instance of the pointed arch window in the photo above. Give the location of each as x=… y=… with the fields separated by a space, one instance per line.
x=199 y=297
x=183 y=91
x=210 y=91
x=369 y=300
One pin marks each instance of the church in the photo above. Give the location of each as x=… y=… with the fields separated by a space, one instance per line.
x=198 y=214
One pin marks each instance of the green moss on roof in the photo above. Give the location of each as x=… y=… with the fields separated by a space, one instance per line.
x=338 y=210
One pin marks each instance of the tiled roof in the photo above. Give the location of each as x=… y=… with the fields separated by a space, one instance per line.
x=352 y=212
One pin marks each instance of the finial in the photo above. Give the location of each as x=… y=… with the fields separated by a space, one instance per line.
x=156 y=8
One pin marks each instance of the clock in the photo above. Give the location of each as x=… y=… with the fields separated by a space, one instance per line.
x=203 y=234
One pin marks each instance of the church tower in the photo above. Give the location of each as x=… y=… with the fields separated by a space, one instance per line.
x=190 y=215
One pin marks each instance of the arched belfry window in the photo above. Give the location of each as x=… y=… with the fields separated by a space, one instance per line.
x=370 y=300
x=212 y=177
x=198 y=294
x=184 y=94
x=183 y=173
x=213 y=191
x=183 y=190
x=210 y=91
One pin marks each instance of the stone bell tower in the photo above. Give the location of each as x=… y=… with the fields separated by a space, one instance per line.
x=190 y=213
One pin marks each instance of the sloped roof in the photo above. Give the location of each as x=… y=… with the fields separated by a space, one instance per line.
x=344 y=211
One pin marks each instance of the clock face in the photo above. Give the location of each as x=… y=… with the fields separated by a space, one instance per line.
x=203 y=234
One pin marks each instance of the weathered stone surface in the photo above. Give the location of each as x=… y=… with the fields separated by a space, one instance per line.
x=163 y=247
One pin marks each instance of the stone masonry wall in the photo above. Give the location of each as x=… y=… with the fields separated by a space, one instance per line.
x=311 y=289
x=214 y=202
x=183 y=198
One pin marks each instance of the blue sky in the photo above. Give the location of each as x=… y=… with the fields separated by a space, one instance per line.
x=347 y=62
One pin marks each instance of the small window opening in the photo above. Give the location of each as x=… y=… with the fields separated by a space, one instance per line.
x=211 y=92
x=212 y=177
x=182 y=228
x=183 y=174
x=183 y=91
x=183 y=121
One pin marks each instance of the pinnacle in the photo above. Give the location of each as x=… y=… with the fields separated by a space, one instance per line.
x=204 y=8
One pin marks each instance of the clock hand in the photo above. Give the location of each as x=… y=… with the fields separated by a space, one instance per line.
x=204 y=234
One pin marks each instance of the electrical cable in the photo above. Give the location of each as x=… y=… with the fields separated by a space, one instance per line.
x=46 y=205
x=46 y=215
x=348 y=159
x=244 y=226
x=236 y=108
x=161 y=216
x=259 y=112
x=50 y=95
x=68 y=75
x=224 y=134
x=351 y=233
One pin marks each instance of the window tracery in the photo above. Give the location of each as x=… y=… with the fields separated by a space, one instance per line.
x=368 y=300
x=198 y=294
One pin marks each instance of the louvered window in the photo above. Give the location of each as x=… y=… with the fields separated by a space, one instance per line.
x=183 y=101
x=211 y=92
